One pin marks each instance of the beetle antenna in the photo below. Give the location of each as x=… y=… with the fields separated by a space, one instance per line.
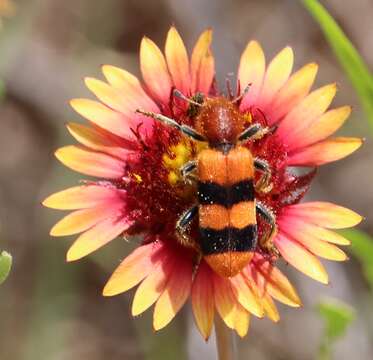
x=244 y=92
x=177 y=93
x=228 y=85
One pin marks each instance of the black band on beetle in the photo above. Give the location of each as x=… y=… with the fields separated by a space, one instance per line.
x=228 y=239
x=211 y=193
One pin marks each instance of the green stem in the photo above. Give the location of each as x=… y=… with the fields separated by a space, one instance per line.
x=224 y=340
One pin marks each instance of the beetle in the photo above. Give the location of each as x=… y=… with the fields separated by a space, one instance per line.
x=225 y=171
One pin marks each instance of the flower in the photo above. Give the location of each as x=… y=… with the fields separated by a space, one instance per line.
x=141 y=190
x=7 y=9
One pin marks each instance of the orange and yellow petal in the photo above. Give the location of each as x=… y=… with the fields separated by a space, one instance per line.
x=309 y=109
x=310 y=240
x=98 y=140
x=202 y=64
x=177 y=61
x=241 y=321
x=152 y=286
x=225 y=300
x=324 y=214
x=134 y=268
x=270 y=308
x=82 y=220
x=154 y=71
x=325 y=151
x=301 y=258
x=96 y=237
x=103 y=117
x=251 y=71
x=90 y=163
x=319 y=129
x=124 y=101
x=246 y=296
x=291 y=94
x=128 y=84
x=315 y=231
x=82 y=197
x=270 y=280
x=203 y=303
x=108 y=95
x=174 y=295
x=277 y=73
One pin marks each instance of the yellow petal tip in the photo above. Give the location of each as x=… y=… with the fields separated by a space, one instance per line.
x=72 y=255
x=74 y=103
x=53 y=232
x=108 y=290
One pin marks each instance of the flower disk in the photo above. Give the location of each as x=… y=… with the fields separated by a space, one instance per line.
x=141 y=190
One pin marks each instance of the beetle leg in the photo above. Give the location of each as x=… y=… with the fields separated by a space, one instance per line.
x=187 y=169
x=263 y=185
x=256 y=132
x=253 y=132
x=266 y=241
x=182 y=227
x=186 y=130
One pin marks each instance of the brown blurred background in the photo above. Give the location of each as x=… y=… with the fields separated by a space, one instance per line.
x=50 y=310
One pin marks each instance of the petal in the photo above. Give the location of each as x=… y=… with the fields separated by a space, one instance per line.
x=316 y=231
x=174 y=296
x=324 y=214
x=242 y=321
x=84 y=219
x=153 y=286
x=90 y=162
x=81 y=197
x=107 y=94
x=225 y=301
x=134 y=268
x=277 y=74
x=103 y=117
x=154 y=71
x=272 y=280
x=270 y=308
x=246 y=296
x=321 y=248
x=202 y=64
x=95 y=140
x=309 y=109
x=320 y=128
x=203 y=300
x=301 y=258
x=311 y=242
x=251 y=71
x=123 y=101
x=129 y=85
x=294 y=90
x=325 y=151
x=96 y=237
x=177 y=61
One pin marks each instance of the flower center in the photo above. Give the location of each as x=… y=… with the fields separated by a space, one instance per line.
x=177 y=156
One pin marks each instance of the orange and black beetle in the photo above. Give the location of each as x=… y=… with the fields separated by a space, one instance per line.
x=225 y=186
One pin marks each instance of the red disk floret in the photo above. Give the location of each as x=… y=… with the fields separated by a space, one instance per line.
x=152 y=203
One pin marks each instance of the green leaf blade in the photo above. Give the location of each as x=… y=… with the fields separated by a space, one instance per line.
x=362 y=249
x=5 y=265
x=349 y=58
x=337 y=317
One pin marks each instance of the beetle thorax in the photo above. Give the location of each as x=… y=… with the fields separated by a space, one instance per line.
x=219 y=121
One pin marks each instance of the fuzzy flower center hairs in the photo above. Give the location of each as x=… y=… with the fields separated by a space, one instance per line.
x=208 y=179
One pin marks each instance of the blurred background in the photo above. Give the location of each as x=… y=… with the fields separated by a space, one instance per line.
x=53 y=310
